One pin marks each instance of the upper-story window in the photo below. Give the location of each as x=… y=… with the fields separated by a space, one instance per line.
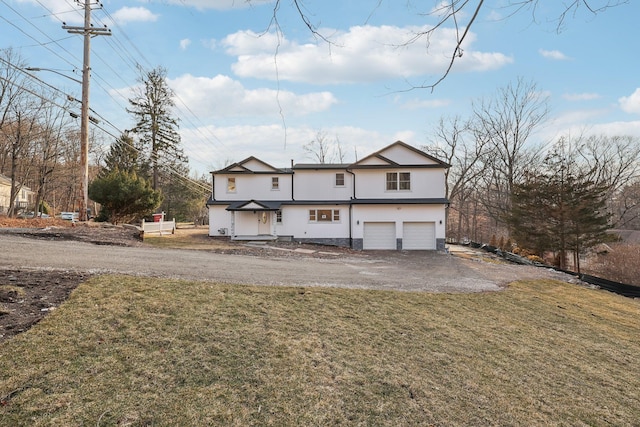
x=398 y=181
x=275 y=183
x=340 y=179
x=231 y=185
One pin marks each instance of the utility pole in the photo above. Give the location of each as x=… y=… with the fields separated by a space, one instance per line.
x=87 y=31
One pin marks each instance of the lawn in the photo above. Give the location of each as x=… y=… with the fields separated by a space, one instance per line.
x=141 y=351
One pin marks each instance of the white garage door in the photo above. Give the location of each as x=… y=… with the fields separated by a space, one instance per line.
x=419 y=235
x=379 y=235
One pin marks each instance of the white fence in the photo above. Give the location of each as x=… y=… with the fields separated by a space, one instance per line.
x=160 y=227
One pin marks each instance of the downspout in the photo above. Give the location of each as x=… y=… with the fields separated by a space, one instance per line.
x=213 y=187
x=351 y=209
x=292 y=173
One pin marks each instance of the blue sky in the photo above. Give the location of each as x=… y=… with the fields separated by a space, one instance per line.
x=234 y=103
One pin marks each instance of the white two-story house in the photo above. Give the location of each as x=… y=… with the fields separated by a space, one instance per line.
x=391 y=199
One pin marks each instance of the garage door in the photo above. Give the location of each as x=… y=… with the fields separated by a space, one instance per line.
x=379 y=235
x=419 y=235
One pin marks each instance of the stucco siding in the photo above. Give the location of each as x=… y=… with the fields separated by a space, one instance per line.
x=425 y=183
x=398 y=214
x=219 y=219
x=321 y=185
x=253 y=187
x=296 y=223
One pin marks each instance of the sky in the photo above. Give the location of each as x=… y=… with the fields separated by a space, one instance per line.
x=251 y=82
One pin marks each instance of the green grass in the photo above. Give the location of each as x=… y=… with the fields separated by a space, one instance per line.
x=140 y=351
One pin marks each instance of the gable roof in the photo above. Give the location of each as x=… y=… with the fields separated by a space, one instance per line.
x=254 y=205
x=252 y=165
x=384 y=158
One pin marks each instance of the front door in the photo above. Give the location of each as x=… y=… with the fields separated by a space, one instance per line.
x=264 y=223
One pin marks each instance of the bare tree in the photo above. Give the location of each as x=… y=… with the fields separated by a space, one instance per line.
x=625 y=206
x=505 y=123
x=454 y=143
x=48 y=146
x=20 y=133
x=11 y=81
x=323 y=150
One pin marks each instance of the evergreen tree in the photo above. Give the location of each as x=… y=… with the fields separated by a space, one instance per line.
x=122 y=155
x=124 y=196
x=528 y=219
x=559 y=209
x=155 y=127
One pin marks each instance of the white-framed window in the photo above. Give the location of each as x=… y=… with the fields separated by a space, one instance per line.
x=279 y=216
x=340 y=179
x=231 y=185
x=398 y=181
x=275 y=183
x=324 y=215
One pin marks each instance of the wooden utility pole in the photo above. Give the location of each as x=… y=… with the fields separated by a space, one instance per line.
x=87 y=31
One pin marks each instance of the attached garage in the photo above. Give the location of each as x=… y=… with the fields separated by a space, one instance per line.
x=419 y=236
x=379 y=235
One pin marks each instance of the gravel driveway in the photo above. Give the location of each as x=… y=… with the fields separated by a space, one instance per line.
x=406 y=271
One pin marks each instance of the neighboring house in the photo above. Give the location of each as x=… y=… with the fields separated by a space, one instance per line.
x=24 y=198
x=391 y=199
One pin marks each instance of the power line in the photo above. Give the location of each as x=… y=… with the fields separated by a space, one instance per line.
x=124 y=53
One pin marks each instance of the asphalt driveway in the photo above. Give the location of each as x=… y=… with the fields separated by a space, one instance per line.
x=405 y=271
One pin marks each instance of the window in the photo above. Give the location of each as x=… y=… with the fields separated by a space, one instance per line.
x=275 y=183
x=392 y=181
x=339 y=180
x=324 y=215
x=279 y=217
x=398 y=181
x=231 y=185
x=404 y=181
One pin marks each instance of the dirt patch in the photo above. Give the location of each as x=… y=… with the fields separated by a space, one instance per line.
x=27 y=296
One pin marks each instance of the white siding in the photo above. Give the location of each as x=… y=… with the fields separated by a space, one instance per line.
x=253 y=187
x=425 y=183
x=295 y=222
x=398 y=214
x=219 y=218
x=311 y=184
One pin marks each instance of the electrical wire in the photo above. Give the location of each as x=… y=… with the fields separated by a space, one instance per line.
x=130 y=60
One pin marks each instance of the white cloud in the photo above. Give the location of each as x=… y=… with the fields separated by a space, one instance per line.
x=219 y=4
x=275 y=145
x=579 y=123
x=134 y=14
x=69 y=13
x=222 y=96
x=631 y=104
x=72 y=13
x=184 y=44
x=418 y=104
x=553 y=54
x=362 y=54
x=581 y=96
